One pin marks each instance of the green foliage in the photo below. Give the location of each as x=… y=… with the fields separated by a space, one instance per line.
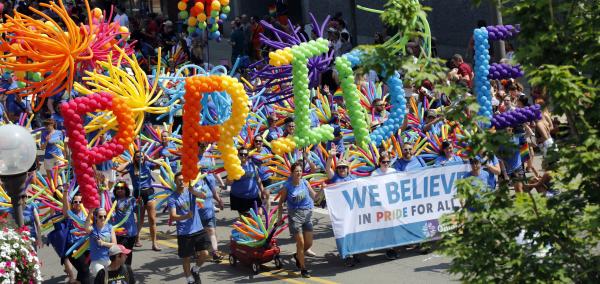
x=400 y=13
x=527 y=238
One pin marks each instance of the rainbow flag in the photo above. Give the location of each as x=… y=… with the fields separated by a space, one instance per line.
x=524 y=151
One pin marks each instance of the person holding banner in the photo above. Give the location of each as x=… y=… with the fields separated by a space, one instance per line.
x=384 y=166
x=447 y=156
x=342 y=169
x=299 y=196
x=408 y=162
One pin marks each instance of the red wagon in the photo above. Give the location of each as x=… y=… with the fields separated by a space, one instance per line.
x=254 y=256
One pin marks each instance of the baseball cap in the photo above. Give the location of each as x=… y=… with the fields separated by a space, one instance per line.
x=117 y=249
x=341 y=163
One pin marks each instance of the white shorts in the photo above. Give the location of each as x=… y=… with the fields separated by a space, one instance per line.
x=97 y=265
x=109 y=174
x=51 y=163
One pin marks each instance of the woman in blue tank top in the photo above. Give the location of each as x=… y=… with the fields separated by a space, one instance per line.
x=299 y=195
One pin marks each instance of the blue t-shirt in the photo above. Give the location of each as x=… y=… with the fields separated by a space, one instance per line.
x=105 y=234
x=60 y=121
x=208 y=210
x=126 y=206
x=247 y=186
x=443 y=161
x=263 y=171
x=483 y=177
x=513 y=162
x=274 y=133
x=72 y=238
x=314 y=119
x=491 y=177
x=52 y=149
x=339 y=144
x=29 y=218
x=183 y=203
x=298 y=196
x=144 y=180
x=414 y=163
x=16 y=108
x=336 y=178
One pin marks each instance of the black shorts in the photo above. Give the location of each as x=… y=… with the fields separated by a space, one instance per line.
x=145 y=194
x=518 y=174
x=243 y=205
x=188 y=245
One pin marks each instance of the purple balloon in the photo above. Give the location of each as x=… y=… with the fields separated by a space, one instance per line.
x=516 y=117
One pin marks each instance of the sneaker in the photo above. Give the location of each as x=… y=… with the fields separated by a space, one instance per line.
x=349 y=261
x=391 y=254
x=304 y=273
x=196 y=274
x=310 y=253
x=190 y=280
x=217 y=257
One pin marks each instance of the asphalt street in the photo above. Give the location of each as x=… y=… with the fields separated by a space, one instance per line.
x=327 y=268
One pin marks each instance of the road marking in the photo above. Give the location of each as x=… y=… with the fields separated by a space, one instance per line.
x=170 y=241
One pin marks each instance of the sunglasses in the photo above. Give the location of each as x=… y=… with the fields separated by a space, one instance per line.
x=385 y=162
x=258 y=141
x=101 y=216
x=406 y=150
x=342 y=167
x=243 y=154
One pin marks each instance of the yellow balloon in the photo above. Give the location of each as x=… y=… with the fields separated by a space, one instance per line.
x=181 y=6
x=201 y=17
x=224 y=2
x=216 y=6
x=192 y=21
x=200 y=6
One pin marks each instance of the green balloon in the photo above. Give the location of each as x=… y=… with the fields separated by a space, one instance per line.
x=202 y=25
x=183 y=15
x=191 y=29
x=214 y=13
x=226 y=9
x=21 y=84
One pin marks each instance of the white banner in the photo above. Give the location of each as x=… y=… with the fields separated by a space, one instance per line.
x=391 y=210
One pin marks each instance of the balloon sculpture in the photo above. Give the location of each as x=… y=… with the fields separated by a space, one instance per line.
x=517 y=117
x=223 y=134
x=253 y=231
x=83 y=158
x=483 y=71
x=31 y=44
x=205 y=14
x=298 y=56
x=274 y=79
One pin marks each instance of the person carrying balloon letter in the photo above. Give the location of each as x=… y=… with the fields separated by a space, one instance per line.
x=51 y=139
x=192 y=239
x=140 y=171
x=248 y=190
x=208 y=186
x=299 y=195
x=125 y=215
x=80 y=264
x=102 y=237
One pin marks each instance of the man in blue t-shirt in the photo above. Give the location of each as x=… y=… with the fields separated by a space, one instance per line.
x=247 y=191
x=447 y=156
x=408 y=162
x=513 y=165
x=482 y=177
x=191 y=236
x=51 y=139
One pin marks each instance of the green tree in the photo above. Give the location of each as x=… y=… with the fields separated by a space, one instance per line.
x=527 y=238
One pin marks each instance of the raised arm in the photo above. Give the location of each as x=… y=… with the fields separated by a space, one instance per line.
x=329 y=164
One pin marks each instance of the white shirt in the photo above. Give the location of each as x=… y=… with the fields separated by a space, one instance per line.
x=378 y=172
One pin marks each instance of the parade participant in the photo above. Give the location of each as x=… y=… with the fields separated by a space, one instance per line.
x=118 y=272
x=274 y=131
x=512 y=162
x=408 y=162
x=102 y=237
x=207 y=213
x=433 y=120
x=106 y=169
x=140 y=172
x=80 y=264
x=31 y=219
x=168 y=146
x=192 y=239
x=380 y=115
x=259 y=151
x=338 y=141
x=290 y=127
x=384 y=166
x=342 y=169
x=51 y=138
x=299 y=196
x=125 y=208
x=482 y=177
x=492 y=167
x=447 y=156
x=248 y=190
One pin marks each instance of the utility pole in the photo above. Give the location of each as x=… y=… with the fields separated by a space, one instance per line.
x=353 y=25
x=498 y=4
